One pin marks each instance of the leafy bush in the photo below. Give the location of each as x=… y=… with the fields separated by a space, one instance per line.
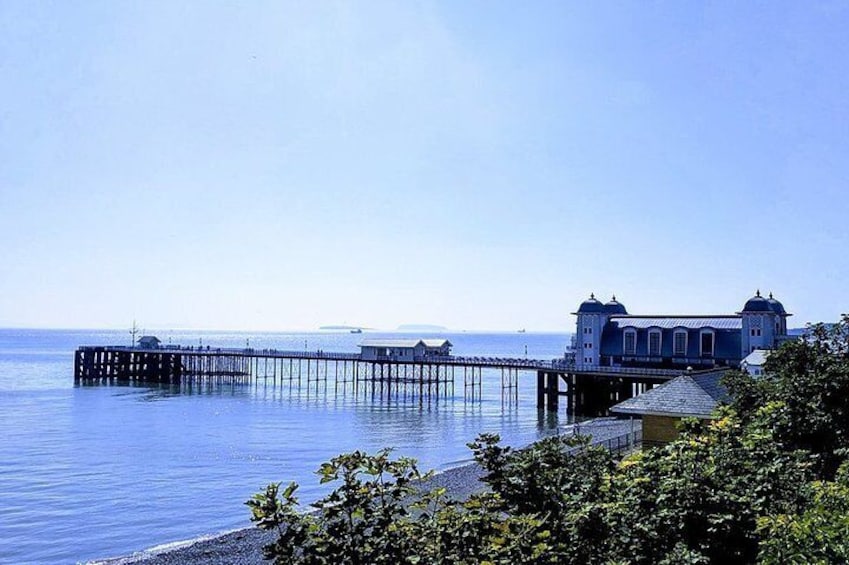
x=377 y=516
x=767 y=480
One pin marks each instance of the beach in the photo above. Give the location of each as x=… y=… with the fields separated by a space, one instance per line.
x=244 y=547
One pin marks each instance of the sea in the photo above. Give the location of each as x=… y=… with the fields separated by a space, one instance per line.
x=90 y=472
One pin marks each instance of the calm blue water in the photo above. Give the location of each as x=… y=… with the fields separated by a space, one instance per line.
x=97 y=471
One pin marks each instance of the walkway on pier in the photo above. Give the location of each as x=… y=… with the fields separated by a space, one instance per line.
x=588 y=390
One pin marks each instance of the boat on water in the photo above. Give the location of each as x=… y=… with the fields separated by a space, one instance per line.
x=357 y=331
x=522 y=331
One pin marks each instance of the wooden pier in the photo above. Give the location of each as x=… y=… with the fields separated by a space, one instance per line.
x=172 y=365
x=587 y=392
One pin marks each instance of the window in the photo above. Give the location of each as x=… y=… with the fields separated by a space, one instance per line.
x=588 y=330
x=680 y=343
x=654 y=343
x=630 y=342
x=756 y=332
x=706 y=349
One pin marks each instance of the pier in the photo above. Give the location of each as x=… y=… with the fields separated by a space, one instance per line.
x=587 y=391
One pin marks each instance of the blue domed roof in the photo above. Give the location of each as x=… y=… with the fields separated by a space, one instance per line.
x=777 y=306
x=591 y=306
x=757 y=303
x=614 y=307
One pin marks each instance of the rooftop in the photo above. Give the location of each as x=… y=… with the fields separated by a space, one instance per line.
x=756 y=357
x=391 y=343
x=688 y=395
x=669 y=322
x=405 y=343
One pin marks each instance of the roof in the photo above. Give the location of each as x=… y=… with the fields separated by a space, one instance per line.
x=590 y=306
x=615 y=307
x=669 y=322
x=437 y=343
x=757 y=357
x=391 y=343
x=150 y=338
x=758 y=303
x=688 y=395
x=777 y=306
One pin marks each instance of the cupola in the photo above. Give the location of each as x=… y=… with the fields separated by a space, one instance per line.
x=614 y=307
x=776 y=306
x=757 y=303
x=591 y=306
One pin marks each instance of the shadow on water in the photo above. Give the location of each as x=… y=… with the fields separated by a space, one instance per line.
x=377 y=395
x=152 y=392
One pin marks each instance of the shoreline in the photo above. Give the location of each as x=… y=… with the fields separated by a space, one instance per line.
x=244 y=546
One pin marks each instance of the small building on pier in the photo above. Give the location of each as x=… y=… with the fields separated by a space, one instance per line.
x=662 y=408
x=149 y=342
x=403 y=349
x=437 y=347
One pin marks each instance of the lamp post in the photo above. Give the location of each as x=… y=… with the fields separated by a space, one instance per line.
x=133 y=332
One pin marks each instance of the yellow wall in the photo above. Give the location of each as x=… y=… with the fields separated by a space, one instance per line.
x=659 y=429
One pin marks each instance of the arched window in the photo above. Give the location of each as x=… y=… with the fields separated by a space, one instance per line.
x=679 y=343
x=706 y=343
x=654 y=343
x=629 y=342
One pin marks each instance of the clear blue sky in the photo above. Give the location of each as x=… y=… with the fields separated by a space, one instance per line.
x=479 y=165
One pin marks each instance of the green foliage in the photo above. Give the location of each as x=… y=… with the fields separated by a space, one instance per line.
x=377 y=516
x=562 y=479
x=807 y=386
x=819 y=534
x=704 y=491
x=766 y=481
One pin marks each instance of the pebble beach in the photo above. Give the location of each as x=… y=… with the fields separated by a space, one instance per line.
x=244 y=547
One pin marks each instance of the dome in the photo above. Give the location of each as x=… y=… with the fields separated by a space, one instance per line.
x=776 y=306
x=614 y=307
x=591 y=306
x=757 y=303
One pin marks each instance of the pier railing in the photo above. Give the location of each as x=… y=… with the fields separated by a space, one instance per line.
x=559 y=364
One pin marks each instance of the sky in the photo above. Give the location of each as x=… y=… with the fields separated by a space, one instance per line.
x=477 y=165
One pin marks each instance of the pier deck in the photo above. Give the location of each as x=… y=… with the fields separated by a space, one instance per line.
x=588 y=391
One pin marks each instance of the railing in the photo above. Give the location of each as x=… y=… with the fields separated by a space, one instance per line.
x=630 y=370
x=519 y=363
x=208 y=350
x=513 y=362
x=619 y=445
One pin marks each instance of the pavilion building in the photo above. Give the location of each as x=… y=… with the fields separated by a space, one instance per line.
x=608 y=336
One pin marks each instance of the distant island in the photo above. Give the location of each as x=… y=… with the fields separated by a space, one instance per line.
x=421 y=328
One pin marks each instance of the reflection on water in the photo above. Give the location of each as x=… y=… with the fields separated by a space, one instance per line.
x=71 y=455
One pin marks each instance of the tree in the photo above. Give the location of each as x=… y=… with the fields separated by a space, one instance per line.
x=766 y=480
x=819 y=534
x=806 y=386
